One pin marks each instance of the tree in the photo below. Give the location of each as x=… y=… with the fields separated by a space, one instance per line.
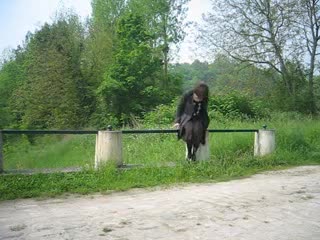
x=101 y=39
x=226 y=74
x=54 y=93
x=309 y=23
x=258 y=32
x=129 y=86
x=165 y=19
x=107 y=12
x=12 y=75
x=269 y=33
x=99 y=44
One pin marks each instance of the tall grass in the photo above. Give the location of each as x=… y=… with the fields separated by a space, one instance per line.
x=49 y=152
x=162 y=157
x=295 y=138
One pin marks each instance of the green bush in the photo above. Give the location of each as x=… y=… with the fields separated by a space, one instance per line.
x=161 y=115
x=236 y=105
x=232 y=106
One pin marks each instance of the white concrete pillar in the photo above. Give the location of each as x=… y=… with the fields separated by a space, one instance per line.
x=264 y=142
x=108 y=148
x=203 y=152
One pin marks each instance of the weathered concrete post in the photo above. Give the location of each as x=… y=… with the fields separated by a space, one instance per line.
x=1 y=152
x=203 y=152
x=108 y=148
x=264 y=142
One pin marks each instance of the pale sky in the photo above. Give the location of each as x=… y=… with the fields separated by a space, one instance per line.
x=17 y=17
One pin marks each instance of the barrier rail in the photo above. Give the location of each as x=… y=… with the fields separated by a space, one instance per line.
x=144 y=131
x=259 y=137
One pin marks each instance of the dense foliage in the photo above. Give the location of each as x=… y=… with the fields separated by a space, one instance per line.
x=280 y=35
x=116 y=69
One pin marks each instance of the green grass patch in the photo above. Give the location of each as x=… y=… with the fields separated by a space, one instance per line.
x=49 y=152
x=112 y=179
x=161 y=157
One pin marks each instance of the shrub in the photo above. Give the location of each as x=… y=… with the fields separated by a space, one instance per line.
x=162 y=114
x=237 y=105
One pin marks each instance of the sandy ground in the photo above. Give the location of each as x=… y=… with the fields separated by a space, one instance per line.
x=273 y=205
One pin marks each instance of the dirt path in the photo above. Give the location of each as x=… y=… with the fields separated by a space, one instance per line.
x=273 y=205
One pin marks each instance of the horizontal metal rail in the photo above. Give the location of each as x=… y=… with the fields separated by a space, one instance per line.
x=232 y=130
x=38 y=132
x=175 y=131
x=16 y=131
x=144 y=131
x=149 y=131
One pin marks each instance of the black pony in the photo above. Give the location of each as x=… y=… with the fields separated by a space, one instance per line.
x=194 y=135
x=192 y=118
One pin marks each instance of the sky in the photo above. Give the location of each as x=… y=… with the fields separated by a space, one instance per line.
x=17 y=17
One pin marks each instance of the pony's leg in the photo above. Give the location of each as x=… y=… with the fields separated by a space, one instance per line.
x=186 y=145
x=203 y=138
x=189 y=148
x=194 y=152
x=193 y=157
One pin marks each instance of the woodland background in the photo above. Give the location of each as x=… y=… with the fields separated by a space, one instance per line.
x=116 y=67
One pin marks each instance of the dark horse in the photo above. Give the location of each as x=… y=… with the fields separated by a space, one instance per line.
x=193 y=135
x=192 y=118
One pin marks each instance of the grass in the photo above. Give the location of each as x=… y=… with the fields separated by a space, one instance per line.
x=110 y=178
x=49 y=152
x=298 y=143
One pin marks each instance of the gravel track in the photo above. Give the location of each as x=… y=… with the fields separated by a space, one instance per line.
x=273 y=205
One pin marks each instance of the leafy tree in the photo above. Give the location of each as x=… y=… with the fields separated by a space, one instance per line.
x=185 y=72
x=101 y=40
x=298 y=101
x=99 y=45
x=12 y=75
x=309 y=24
x=54 y=93
x=226 y=74
x=107 y=12
x=165 y=21
x=129 y=85
x=257 y=32
x=267 y=33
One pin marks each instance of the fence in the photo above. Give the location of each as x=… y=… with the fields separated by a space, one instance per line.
x=109 y=143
